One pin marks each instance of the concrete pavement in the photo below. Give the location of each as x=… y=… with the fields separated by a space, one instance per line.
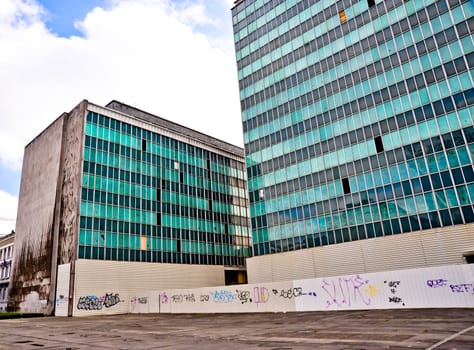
x=376 y=329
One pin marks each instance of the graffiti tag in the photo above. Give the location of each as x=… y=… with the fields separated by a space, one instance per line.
x=223 y=296
x=289 y=293
x=142 y=300
x=393 y=285
x=92 y=302
x=204 y=298
x=436 y=283
x=345 y=291
x=261 y=295
x=462 y=288
x=181 y=298
x=244 y=296
x=164 y=298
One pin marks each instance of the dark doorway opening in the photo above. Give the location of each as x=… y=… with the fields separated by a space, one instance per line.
x=235 y=277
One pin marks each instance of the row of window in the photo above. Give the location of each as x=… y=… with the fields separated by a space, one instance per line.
x=130 y=158
x=415 y=170
x=110 y=129
x=381 y=43
x=342 y=105
x=108 y=212
x=235 y=234
x=165 y=203
x=147 y=198
x=324 y=51
x=6 y=253
x=138 y=183
x=112 y=174
x=399 y=123
x=380 y=72
x=124 y=241
x=5 y=270
x=446 y=217
x=373 y=171
x=100 y=253
x=459 y=119
x=432 y=128
x=3 y=296
x=407 y=198
x=291 y=24
x=444 y=94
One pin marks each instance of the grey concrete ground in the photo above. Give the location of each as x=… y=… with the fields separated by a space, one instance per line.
x=385 y=329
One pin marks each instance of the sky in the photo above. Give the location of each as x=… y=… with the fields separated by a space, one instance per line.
x=174 y=59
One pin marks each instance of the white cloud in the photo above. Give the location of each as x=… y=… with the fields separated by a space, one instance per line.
x=8 y=206
x=147 y=53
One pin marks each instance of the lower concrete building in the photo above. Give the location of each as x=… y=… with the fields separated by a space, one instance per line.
x=114 y=200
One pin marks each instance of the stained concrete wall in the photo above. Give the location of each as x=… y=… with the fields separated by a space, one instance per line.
x=48 y=191
x=31 y=275
x=71 y=184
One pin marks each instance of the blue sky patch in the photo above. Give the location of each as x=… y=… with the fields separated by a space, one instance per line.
x=62 y=14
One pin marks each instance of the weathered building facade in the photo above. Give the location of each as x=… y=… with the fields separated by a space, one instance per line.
x=114 y=200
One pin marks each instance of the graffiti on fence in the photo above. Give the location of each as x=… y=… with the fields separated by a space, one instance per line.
x=462 y=288
x=164 y=298
x=223 y=296
x=139 y=300
x=291 y=293
x=93 y=302
x=243 y=296
x=454 y=287
x=440 y=282
x=347 y=291
x=61 y=300
x=183 y=298
x=260 y=295
x=394 y=298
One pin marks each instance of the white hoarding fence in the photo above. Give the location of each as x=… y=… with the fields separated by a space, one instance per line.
x=435 y=287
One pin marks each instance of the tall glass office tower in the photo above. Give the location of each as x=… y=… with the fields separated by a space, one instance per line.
x=358 y=123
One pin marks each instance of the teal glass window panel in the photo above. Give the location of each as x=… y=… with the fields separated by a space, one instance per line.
x=452 y=158
x=451 y=197
x=463 y=195
x=430 y=201
x=432 y=164
x=410 y=205
x=463 y=155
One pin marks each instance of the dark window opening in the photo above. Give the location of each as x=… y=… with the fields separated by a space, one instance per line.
x=210 y=205
x=233 y=277
x=178 y=245
x=163 y=184
x=144 y=145
x=371 y=3
x=470 y=258
x=181 y=177
x=346 y=186
x=158 y=194
x=158 y=219
x=378 y=144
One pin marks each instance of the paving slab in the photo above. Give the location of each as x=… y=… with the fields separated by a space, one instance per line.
x=427 y=329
